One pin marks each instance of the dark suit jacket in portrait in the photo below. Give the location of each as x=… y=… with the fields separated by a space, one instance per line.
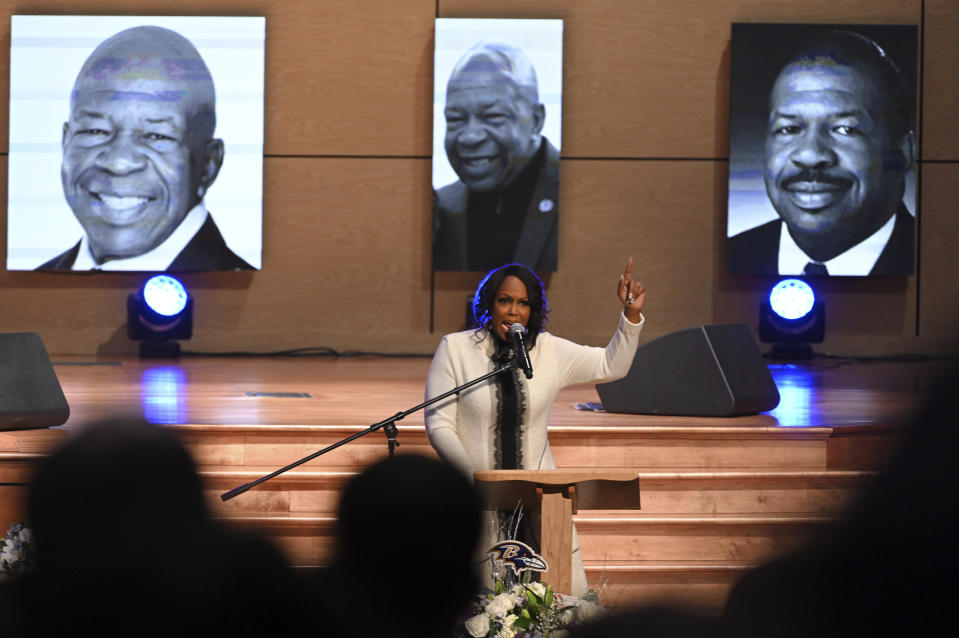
x=206 y=251
x=756 y=251
x=524 y=219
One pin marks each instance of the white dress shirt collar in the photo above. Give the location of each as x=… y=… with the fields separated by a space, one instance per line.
x=857 y=261
x=158 y=259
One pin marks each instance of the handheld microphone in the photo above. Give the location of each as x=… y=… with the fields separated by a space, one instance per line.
x=518 y=330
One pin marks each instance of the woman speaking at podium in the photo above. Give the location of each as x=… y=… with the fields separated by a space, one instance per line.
x=501 y=424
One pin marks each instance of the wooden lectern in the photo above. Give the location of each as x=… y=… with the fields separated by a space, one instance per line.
x=557 y=495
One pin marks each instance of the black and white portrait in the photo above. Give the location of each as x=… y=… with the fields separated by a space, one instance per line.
x=822 y=150
x=496 y=143
x=136 y=143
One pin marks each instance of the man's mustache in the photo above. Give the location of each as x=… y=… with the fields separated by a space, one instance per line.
x=817 y=177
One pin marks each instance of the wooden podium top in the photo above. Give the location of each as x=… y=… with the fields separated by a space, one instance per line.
x=592 y=489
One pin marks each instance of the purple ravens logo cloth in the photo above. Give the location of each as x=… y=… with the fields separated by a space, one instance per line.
x=519 y=556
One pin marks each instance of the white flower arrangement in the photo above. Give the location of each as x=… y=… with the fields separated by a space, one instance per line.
x=16 y=551
x=517 y=607
x=528 y=610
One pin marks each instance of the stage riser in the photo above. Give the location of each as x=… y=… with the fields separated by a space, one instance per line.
x=280 y=501
x=12 y=501
x=17 y=468
x=31 y=442
x=274 y=447
x=318 y=497
x=761 y=493
x=850 y=450
x=218 y=448
x=306 y=551
x=778 y=450
x=698 y=588
x=767 y=453
x=698 y=592
x=666 y=541
x=307 y=541
x=746 y=500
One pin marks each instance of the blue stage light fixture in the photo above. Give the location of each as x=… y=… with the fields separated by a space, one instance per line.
x=157 y=314
x=792 y=299
x=165 y=295
x=791 y=318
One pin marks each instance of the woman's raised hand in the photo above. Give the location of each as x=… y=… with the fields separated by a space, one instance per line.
x=631 y=293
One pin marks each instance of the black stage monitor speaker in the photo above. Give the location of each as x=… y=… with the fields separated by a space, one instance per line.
x=30 y=393
x=704 y=371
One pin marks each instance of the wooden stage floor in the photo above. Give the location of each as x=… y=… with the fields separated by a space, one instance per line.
x=364 y=390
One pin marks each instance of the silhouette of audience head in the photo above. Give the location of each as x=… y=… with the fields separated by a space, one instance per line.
x=125 y=545
x=406 y=532
x=111 y=488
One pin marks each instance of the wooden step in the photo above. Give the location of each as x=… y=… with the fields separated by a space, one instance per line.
x=748 y=491
x=307 y=539
x=297 y=492
x=13 y=499
x=721 y=446
x=704 y=447
x=17 y=467
x=305 y=492
x=39 y=441
x=20 y=451
x=278 y=445
x=750 y=539
x=701 y=587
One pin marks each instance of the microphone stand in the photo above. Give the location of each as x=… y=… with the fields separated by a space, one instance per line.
x=388 y=426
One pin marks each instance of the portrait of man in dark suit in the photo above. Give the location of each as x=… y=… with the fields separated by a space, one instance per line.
x=139 y=154
x=504 y=206
x=839 y=144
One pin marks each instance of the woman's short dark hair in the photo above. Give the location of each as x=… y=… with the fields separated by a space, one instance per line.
x=485 y=297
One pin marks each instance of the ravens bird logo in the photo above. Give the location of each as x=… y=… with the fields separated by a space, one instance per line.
x=519 y=556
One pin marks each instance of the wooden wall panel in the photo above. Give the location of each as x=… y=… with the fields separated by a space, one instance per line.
x=650 y=78
x=939 y=235
x=940 y=125
x=343 y=77
x=349 y=78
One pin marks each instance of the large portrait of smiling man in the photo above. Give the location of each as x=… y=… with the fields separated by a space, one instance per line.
x=137 y=145
x=496 y=143
x=822 y=150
